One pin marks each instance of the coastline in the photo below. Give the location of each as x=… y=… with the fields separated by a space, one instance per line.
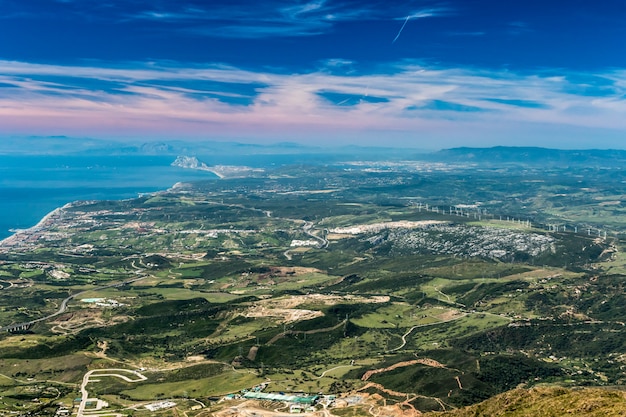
x=19 y=237
x=34 y=185
x=213 y=171
x=18 y=234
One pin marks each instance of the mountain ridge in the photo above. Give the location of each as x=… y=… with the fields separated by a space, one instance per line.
x=529 y=155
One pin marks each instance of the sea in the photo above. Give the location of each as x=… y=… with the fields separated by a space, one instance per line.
x=33 y=186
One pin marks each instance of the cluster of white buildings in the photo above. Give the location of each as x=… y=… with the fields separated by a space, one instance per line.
x=103 y=302
x=296 y=243
x=162 y=405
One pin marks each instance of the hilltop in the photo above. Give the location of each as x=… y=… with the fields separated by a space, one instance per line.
x=546 y=402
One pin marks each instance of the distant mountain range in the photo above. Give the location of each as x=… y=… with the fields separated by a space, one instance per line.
x=499 y=155
x=63 y=145
x=529 y=155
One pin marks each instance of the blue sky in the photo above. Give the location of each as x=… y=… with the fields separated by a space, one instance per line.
x=422 y=73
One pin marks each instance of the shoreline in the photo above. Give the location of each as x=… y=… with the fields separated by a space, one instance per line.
x=79 y=177
x=13 y=239
x=17 y=235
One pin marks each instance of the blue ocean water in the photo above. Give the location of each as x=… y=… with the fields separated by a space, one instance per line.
x=32 y=186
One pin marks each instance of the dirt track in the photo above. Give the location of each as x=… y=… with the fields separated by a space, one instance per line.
x=428 y=362
x=288 y=332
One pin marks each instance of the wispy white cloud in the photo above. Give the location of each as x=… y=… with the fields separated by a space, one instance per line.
x=275 y=17
x=305 y=8
x=430 y=12
x=227 y=19
x=338 y=62
x=404 y=101
x=267 y=19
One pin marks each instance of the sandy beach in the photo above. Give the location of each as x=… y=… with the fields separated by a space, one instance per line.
x=16 y=238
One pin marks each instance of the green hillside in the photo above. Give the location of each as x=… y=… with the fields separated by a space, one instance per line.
x=546 y=402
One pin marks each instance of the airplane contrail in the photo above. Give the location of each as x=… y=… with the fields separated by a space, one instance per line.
x=401 y=29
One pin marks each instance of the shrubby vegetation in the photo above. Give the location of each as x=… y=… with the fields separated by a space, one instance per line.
x=208 y=272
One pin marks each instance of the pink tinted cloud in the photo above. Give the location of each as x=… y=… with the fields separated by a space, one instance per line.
x=287 y=106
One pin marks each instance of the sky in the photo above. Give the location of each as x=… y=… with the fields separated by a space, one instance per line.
x=426 y=74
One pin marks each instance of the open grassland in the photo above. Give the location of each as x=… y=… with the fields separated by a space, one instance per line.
x=221 y=384
x=403 y=315
x=616 y=264
x=62 y=369
x=440 y=334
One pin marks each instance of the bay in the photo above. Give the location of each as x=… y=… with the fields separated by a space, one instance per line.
x=32 y=186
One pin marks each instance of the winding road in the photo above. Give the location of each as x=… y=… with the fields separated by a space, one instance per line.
x=332 y=369
x=306 y=229
x=290 y=332
x=6 y=282
x=84 y=394
x=63 y=308
x=404 y=336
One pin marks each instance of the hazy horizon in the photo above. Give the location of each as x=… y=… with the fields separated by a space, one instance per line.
x=64 y=145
